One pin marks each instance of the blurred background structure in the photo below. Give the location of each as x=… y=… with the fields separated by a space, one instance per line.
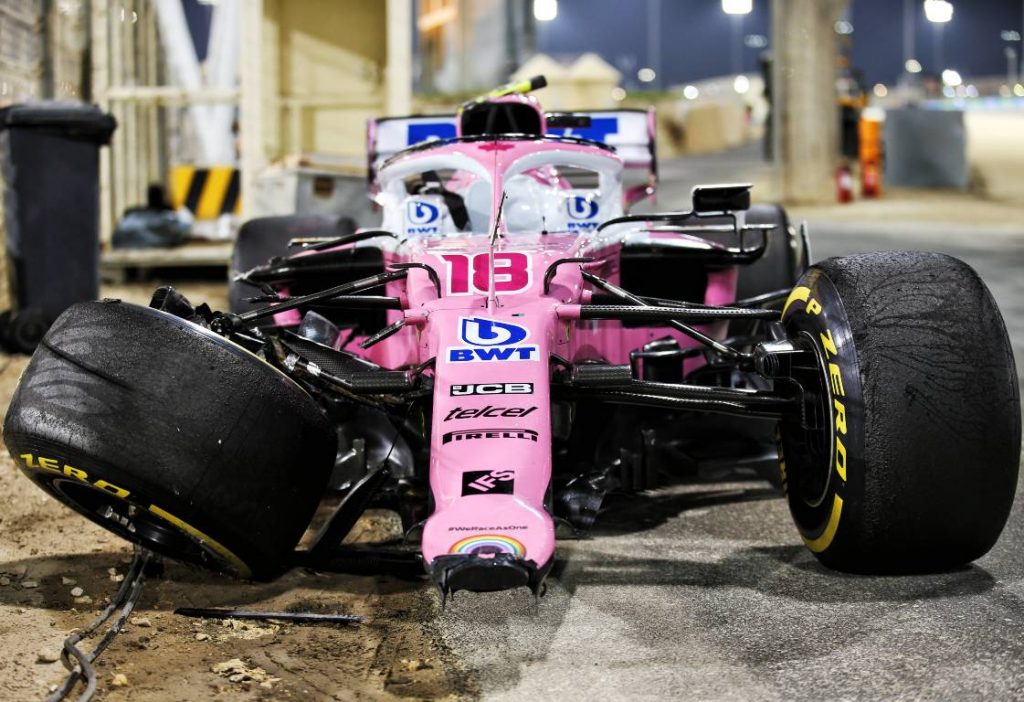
x=238 y=108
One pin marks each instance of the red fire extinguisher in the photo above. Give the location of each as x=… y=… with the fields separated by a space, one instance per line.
x=844 y=184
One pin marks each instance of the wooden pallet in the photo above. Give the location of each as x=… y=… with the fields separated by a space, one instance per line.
x=117 y=264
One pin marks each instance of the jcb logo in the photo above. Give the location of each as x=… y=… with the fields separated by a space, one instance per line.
x=488 y=482
x=493 y=389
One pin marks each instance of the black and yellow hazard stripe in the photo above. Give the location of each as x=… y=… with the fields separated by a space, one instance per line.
x=207 y=192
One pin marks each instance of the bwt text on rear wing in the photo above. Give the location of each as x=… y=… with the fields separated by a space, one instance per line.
x=630 y=132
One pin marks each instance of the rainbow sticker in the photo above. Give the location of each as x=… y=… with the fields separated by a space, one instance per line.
x=489 y=543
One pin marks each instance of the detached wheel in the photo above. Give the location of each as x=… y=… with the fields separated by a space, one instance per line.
x=263 y=238
x=909 y=463
x=171 y=437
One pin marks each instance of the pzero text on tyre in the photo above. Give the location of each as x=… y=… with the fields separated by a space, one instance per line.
x=172 y=437
x=912 y=466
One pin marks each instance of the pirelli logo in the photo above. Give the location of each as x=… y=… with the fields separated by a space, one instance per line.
x=207 y=192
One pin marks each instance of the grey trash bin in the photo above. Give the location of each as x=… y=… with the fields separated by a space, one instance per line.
x=49 y=182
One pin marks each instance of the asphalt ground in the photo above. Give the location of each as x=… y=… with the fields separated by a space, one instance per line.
x=706 y=592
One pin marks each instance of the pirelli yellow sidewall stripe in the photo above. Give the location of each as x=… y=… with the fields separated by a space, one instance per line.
x=33 y=463
x=811 y=306
x=819 y=544
x=799 y=294
x=215 y=546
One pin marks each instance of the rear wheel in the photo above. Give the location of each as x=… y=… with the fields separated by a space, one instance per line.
x=781 y=265
x=172 y=437
x=22 y=330
x=263 y=238
x=912 y=463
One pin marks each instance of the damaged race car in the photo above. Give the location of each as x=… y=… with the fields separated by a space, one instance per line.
x=511 y=346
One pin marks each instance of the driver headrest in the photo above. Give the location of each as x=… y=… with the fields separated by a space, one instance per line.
x=512 y=114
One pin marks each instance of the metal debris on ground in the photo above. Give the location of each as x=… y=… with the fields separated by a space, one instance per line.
x=216 y=613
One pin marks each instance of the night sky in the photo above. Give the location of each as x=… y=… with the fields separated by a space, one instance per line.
x=696 y=36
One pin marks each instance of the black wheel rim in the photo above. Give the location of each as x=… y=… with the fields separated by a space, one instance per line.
x=810 y=474
x=138 y=525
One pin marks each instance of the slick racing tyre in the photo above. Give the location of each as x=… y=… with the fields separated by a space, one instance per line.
x=22 y=330
x=783 y=262
x=171 y=437
x=784 y=259
x=263 y=238
x=908 y=460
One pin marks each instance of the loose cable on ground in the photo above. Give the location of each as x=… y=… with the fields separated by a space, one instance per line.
x=80 y=662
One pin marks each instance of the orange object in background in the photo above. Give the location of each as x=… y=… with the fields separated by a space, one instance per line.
x=870 y=132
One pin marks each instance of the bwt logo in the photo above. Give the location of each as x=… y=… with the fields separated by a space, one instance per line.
x=420 y=213
x=599 y=130
x=583 y=208
x=417 y=132
x=487 y=332
x=501 y=341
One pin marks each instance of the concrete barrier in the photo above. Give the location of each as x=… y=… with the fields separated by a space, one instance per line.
x=925 y=149
x=995 y=152
x=713 y=126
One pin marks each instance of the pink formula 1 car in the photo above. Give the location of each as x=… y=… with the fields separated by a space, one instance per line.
x=510 y=346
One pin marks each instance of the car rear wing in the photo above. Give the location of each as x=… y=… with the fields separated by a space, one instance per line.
x=387 y=136
x=630 y=132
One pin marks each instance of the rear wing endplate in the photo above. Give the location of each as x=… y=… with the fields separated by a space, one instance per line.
x=387 y=136
x=631 y=132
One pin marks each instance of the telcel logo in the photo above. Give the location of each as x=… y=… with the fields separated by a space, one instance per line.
x=488 y=411
x=501 y=341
